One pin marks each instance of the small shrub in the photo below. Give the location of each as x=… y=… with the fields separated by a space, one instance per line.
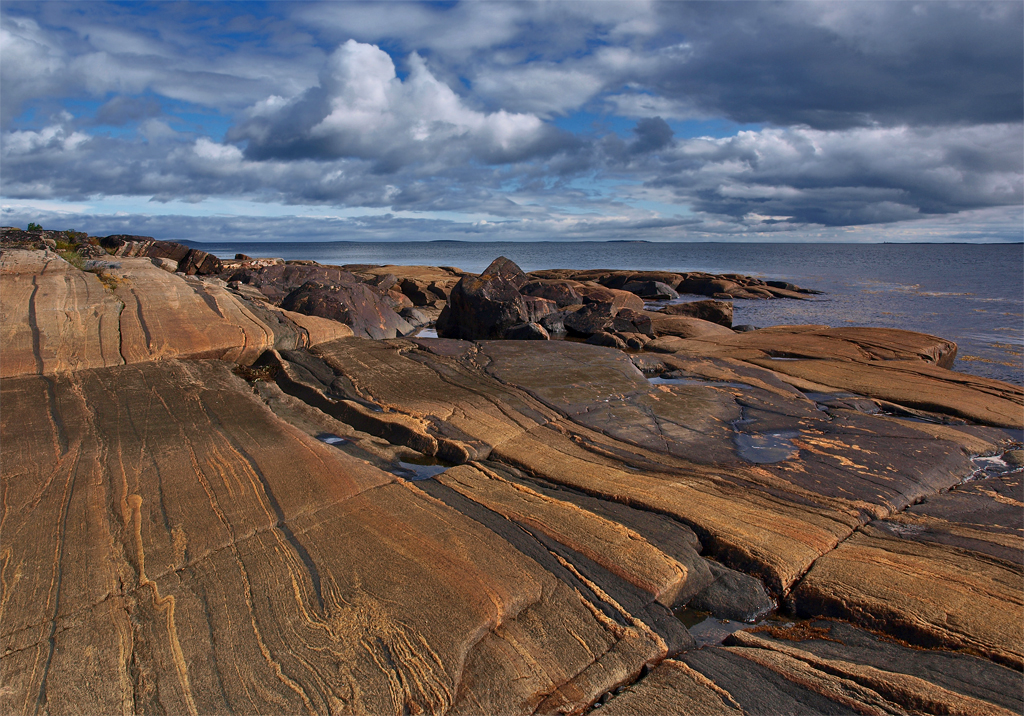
x=253 y=374
x=34 y=227
x=108 y=280
x=72 y=257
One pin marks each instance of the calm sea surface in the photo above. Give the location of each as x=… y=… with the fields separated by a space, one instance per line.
x=972 y=294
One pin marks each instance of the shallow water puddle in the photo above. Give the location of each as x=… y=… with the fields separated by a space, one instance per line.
x=708 y=630
x=763 y=448
x=695 y=381
x=990 y=466
x=332 y=439
x=424 y=469
x=413 y=471
x=826 y=397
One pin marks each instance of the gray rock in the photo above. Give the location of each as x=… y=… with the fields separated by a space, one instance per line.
x=1014 y=457
x=733 y=595
x=414 y=316
x=651 y=290
x=527 y=332
x=590 y=319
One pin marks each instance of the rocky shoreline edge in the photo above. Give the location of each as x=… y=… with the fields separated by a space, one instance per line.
x=250 y=486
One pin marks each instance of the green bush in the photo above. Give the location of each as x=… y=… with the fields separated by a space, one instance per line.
x=74 y=258
x=34 y=227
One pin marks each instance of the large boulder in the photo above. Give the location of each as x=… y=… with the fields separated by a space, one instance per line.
x=352 y=303
x=485 y=306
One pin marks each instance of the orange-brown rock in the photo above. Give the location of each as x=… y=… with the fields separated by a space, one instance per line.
x=909 y=369
x=719 y=312
x=57 y=318
x=169 y=544
x=949 y=577
x=831 y=667
x=175 y=539
x=673 y=689
x=686 y=327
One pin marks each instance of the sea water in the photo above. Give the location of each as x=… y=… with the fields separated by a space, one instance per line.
x=972 y=294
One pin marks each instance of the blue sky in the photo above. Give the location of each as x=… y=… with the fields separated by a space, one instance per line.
x=676 y=121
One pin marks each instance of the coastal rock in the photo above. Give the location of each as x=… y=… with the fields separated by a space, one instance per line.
x=830 y=667
x=414 y=316
x=709 y=286
x=898 y=367
x=561 y=292
x=627 y=320
x=925 y=593
x=686 y=327
x=719 y=312
x=190 y=261
x=57 y=318
x=609 y=340
x=672 y=689
x=445 y=526
x=725 y=286
x=354 y=304
x=229 y=516
x=616 y=299
x=276 y=281
x=589 y=319
x=537 y=308
x=527 y=332
x=733 y=595
x=485 y=306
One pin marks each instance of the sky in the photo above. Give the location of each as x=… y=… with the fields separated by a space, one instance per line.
x=515 y=121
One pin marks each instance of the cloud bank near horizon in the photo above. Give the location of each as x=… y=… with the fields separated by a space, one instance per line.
x=517 y=121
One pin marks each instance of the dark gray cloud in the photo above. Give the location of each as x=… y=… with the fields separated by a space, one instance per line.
x=121 y=110
x=836 y=65
x=651 y=135
x=859 y=176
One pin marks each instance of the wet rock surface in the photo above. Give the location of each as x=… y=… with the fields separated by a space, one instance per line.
x=214 y=505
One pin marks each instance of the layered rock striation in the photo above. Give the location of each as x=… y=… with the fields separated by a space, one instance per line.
x=214 y=504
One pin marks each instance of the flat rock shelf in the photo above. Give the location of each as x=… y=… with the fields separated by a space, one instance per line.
x=250 y=487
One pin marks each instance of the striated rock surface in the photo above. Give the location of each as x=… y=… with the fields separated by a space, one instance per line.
x=57 y=318
x=908 y=369
x=488 y=527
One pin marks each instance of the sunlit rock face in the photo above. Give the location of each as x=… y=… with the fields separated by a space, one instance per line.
x=214 y=505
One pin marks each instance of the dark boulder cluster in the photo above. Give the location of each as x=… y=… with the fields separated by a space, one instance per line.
x=504 y=303
x=615 y=311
